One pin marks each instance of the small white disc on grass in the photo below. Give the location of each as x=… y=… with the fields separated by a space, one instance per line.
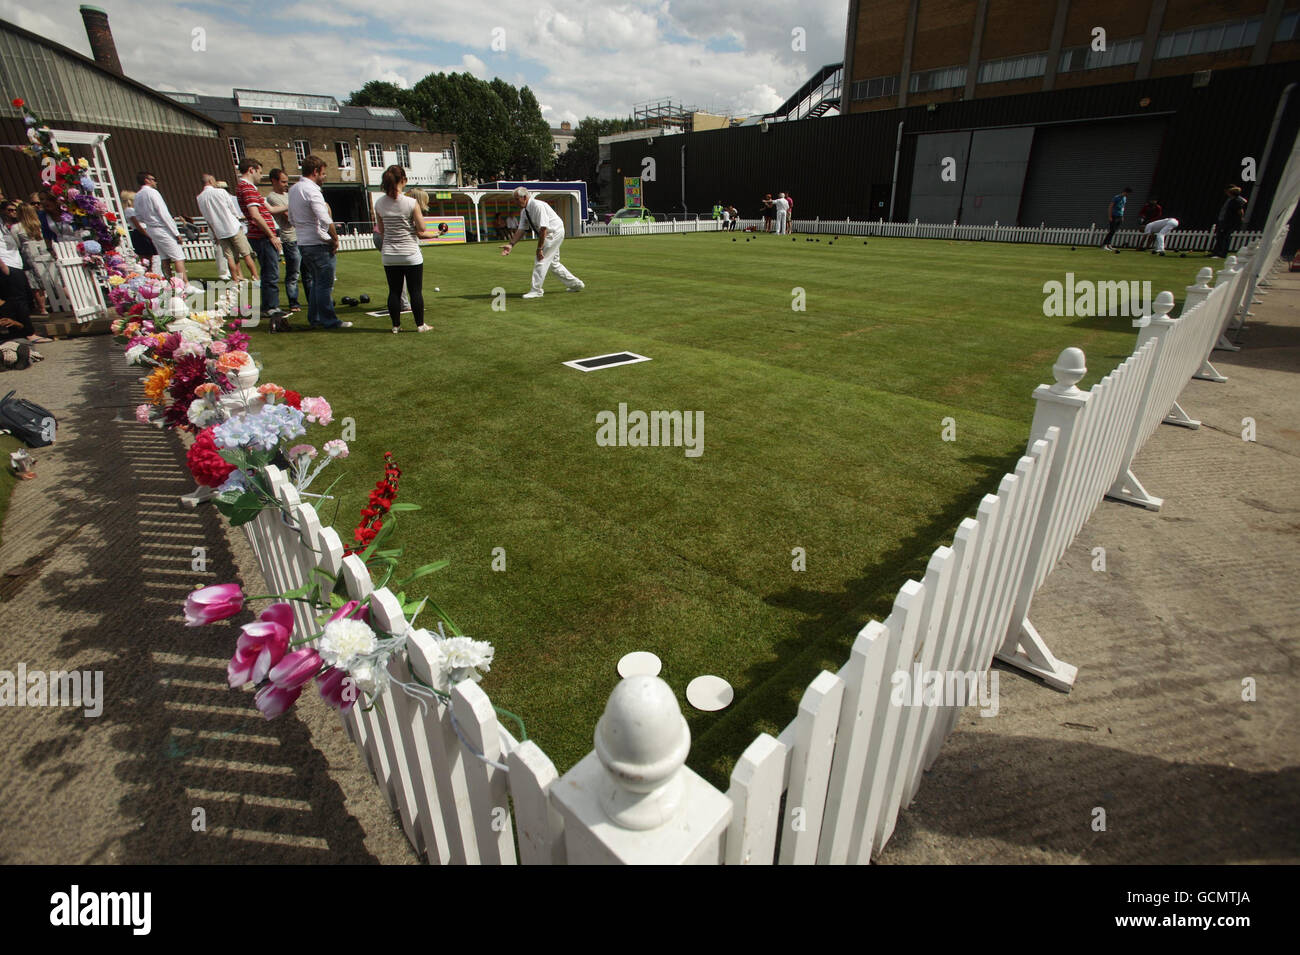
x=436 y=289
x=709 y=693
x=639 y=663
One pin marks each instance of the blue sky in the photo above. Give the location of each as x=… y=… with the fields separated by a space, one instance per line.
x=580 y=58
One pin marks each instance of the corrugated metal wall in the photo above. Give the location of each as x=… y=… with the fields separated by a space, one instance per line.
x=830 y=165
x=177 y=161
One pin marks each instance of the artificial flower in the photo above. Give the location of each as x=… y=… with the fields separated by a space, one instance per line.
x=210 y=604
x=261 y=645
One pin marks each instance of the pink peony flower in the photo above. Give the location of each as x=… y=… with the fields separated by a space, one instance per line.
x=317 y=410
x=217 y=348
x=232 y=360
x=336 y=448
x=142 y=413
x=210 y=604
x=299 y=450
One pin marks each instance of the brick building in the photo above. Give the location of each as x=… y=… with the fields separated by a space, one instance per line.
x=915 y=52
x=357 y=143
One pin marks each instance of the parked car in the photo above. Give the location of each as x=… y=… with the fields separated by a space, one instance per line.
x=630 y=216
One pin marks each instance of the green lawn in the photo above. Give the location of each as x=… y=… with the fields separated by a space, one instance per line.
x=822 y=431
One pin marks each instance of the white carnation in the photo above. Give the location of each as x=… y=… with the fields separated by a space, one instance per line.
x=344 y=639
x=134 y=352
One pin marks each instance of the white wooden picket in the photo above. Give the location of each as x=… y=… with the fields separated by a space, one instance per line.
x=831 y=787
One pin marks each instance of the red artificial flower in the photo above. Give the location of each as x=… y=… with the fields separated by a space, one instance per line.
x=377 y=506
x=18 y=104
x=293 y=399
x=109 y=217
x=206 y=463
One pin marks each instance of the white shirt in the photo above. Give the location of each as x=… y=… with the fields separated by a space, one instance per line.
x=401 y=246
x=151 y=211
x=9 y=251
x=537 y=215
x=221 y=218
x=781 y=206
x=237 y=212
x=309 y=213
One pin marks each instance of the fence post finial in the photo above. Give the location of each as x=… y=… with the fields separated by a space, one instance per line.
x=1203 y=278
x=633 y=800
x=642 y=741
x=1069 y=368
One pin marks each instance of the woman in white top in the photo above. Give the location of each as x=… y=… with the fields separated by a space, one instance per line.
x=399 y=222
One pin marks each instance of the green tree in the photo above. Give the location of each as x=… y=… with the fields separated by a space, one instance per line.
x=582 y=159
x=500 y=131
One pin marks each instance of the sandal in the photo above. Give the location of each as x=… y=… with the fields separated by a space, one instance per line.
x=40 y=340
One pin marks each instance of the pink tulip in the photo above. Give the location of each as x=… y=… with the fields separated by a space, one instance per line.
x=272 y=700
x=350 y=611
x=261 y=645
x=210 y=604
x=295 y=669
x=337 y=689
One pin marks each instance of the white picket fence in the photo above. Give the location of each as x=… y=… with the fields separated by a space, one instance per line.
x=1179 y=240
x=830 y=787
x=652 y=228
x=84 y=297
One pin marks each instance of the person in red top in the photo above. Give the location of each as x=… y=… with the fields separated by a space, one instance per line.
x=789 y=214
x=262 y=237
x=1151 y=212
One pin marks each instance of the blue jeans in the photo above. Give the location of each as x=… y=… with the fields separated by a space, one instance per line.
x=318 y=274
x=292 y=266
x=268 y=261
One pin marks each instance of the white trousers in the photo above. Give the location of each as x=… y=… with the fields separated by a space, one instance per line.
x=780 y=222
x=550 y=262
x=1161 y=228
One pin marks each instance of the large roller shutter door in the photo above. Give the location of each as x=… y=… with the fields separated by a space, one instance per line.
x=935 y=199
x=996 y=175
x=1075 y=169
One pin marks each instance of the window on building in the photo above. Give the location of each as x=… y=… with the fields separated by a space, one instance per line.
x=1012 y=68
x=1286 y=27
x=262 y=119
x=343 y=153
x=876 y=87
x=1216 y=37
x=1116 y=54
x=300 y=149
x=236 y=150
x=375 y=151
x=941 y=79
x=404 y=155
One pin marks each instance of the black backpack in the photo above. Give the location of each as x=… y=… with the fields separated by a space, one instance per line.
x=27 y=421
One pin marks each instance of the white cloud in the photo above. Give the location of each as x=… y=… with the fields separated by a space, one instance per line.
x=582 y=58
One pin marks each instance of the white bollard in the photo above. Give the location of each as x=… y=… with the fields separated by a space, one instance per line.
x=632 y=800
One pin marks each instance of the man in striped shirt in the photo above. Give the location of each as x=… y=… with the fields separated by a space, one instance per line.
x=261 y=236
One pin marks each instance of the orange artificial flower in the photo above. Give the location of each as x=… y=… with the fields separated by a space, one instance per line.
x=155 y=386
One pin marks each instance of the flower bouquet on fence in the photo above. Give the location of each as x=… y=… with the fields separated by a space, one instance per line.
x=347 y=655
x=68 y=180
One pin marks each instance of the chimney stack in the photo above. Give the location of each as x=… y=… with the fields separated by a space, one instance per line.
x=102 y=47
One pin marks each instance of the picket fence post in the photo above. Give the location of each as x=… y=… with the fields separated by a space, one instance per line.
x=1126 y=486
x=1197 y=294
x=632 y=800
x=1059 y=406
x=1225 y=274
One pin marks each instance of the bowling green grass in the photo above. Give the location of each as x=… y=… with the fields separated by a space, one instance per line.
x=822 y=431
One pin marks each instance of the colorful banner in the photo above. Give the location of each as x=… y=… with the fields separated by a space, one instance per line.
x=632 y=192
x=449 y=230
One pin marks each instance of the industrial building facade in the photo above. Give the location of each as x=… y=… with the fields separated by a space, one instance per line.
x=1051 y=156
x=916 y=52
